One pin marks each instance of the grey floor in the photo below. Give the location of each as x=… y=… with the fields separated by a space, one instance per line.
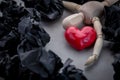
x=102 y=70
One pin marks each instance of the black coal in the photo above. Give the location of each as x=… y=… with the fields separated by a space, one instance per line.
x=23 y=40
x=111 y=29
x=116 y=67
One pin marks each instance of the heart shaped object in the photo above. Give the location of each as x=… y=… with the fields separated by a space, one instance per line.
x=80 y=39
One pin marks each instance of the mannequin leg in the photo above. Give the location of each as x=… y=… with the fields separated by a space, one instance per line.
x=73 y=20
x=71 y=6
x=109 y=2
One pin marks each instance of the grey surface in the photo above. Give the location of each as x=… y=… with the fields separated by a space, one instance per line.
x=102 y=70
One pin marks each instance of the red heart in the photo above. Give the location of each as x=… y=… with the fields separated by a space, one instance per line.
x=80 y=39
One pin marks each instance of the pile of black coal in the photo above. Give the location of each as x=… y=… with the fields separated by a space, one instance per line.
x=49 y=9
x=22 y=42
x=116 y=66
x=111 y=29
x=70 y=72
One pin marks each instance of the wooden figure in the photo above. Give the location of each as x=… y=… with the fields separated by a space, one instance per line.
x=88 y=13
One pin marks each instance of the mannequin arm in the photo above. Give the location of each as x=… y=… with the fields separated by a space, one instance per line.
x=74 y=7
x=109 y=2
x=98 y=43
x=73 y=20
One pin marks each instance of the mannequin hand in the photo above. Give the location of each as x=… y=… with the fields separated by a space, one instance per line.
x=91 y=60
